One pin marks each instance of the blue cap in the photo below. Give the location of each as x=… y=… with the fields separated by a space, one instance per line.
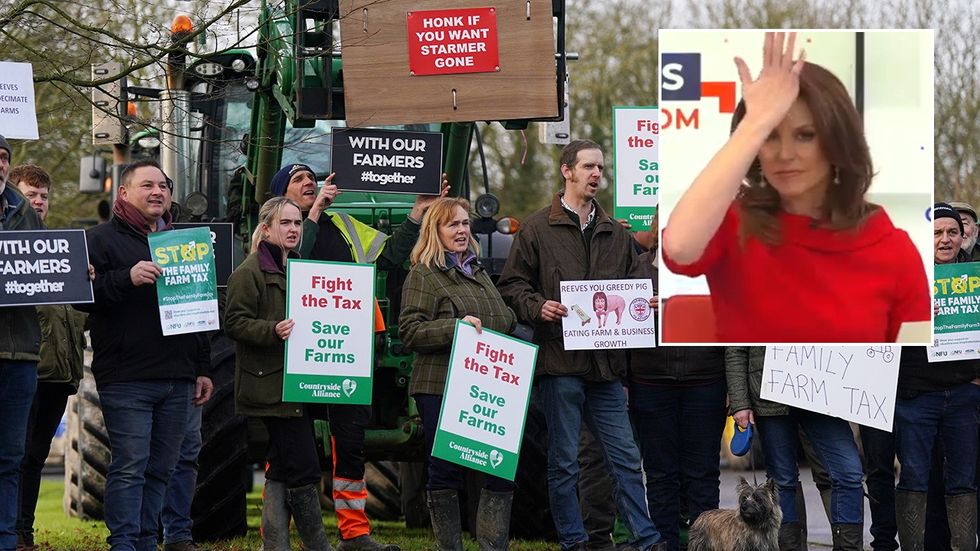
x=281 y=180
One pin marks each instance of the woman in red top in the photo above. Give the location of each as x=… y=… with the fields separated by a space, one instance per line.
x=778 y=223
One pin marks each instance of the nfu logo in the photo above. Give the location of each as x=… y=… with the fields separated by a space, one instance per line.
x=680 y=80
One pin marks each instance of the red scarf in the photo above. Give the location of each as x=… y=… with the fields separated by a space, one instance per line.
x=129 y=214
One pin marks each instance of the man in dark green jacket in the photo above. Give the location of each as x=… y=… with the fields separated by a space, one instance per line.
x=20 y=341
x=58 y=372
x=574 y=239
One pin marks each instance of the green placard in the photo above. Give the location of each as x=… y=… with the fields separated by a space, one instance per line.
x=330 y=352
x=636 y=131
x=187 y=291
x=957 y=312
x=484 y=405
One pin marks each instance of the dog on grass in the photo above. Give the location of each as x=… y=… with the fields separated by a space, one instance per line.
x=754 y=526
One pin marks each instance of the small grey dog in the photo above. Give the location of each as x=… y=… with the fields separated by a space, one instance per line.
x=754 y=526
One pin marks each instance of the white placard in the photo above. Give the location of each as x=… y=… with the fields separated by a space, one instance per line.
x=484 y=406
x=855 y=383
x=612 y=313
x=330 y=352
x=18 y=117
x=637 y=134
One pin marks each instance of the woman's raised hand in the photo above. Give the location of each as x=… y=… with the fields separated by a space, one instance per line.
x=769 y=97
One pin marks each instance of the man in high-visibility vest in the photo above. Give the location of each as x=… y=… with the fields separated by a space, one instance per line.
x=340 y=237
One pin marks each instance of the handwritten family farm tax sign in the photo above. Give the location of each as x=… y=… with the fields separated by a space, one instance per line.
x=855 y=383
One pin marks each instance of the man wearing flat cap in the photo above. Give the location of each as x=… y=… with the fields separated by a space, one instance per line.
x=970 y=230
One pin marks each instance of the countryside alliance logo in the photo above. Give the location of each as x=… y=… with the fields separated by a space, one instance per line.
x=349 y=386
x=496 y=458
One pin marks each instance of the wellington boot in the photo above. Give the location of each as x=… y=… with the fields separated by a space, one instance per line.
x=910 y=513
x=275 y=517
x=847 y=537
x=493 y=520
x=962 y=512
x=304 y=502
x=790 y=537
x=444 y=511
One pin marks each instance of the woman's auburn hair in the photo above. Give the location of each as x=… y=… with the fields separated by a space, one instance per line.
x=429 y=250
x=840 y=134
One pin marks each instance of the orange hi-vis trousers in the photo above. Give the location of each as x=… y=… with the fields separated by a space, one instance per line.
x=349 y=499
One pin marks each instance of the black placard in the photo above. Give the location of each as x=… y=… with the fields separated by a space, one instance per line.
x=44 y=267
x=223 y=242
x=387 y=161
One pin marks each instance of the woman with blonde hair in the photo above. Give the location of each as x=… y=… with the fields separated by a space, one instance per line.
x=447 y=283
x=255 y=314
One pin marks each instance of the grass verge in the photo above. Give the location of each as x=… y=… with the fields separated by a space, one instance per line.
x=57 y=532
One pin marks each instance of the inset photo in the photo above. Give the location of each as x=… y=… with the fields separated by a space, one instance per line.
x=796 y=194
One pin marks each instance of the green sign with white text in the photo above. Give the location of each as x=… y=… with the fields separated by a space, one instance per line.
x=636 y=131
x=956 y=330
x=187 y=290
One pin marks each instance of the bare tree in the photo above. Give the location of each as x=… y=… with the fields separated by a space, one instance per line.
x=62 y=39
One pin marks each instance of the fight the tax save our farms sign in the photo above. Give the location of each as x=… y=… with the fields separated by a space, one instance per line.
x=330 y=352
x=484 y=405
x=637 y=138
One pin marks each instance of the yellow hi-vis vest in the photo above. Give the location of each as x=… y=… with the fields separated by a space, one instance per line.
x=366 y=244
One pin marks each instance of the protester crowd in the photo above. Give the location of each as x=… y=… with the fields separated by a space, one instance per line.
x=651 y=419
x=634 y=435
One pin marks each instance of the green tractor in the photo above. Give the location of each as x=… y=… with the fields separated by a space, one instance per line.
x=230 y=119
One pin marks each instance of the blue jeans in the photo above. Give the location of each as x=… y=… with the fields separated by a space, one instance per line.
x=18 y=381
x=146 y=422
x=951 y=413
x=602 y=405
x=833 y=442
x=679 y=430
x=177 y=521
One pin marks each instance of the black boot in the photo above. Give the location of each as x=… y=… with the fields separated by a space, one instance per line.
x=790 y=537
x=493 y=520
x=848 y=537
x=275 y=517
x=444 y=512
x=962 y=513
x=910 y=512
x=801 y=515
x=305 y=505
x=365 y=543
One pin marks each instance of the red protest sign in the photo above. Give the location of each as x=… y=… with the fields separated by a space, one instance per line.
x=442 y=42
